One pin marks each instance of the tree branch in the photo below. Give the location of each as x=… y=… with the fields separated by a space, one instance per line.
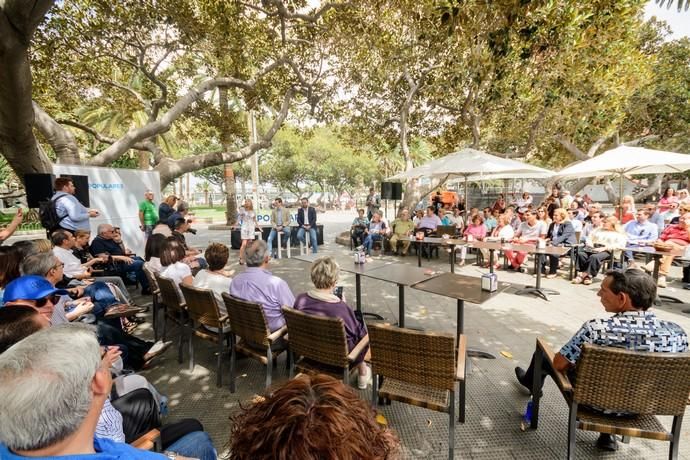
x=572 y=148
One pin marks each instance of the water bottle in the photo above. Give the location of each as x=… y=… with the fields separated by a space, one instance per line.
x=527 y=416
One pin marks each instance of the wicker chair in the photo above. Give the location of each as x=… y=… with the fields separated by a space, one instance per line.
x=249 y=323
x=318 y=345
x=419 y=368
x=156 y=304
x=648 y=384
x=203 y=311
x=174 y=307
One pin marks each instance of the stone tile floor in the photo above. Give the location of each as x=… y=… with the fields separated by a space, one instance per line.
x=495 y=402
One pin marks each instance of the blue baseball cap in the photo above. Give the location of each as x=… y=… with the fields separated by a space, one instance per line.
x=30 y=287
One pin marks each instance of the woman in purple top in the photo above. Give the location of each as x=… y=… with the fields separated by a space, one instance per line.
x=322 y=301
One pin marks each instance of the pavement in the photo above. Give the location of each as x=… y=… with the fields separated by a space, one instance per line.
x=507 y=326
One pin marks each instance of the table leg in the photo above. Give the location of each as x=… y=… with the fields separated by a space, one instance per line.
x=491 y=260
x=419 y=253
x=537 y=290
x=452 y=258
x=461 y=321
x=537 y=267
x=358 y=290
x=657 y=265
x=401 y=305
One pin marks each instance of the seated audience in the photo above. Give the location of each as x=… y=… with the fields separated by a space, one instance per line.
x=671 y=213
x=123 y=264
x=18 y=322
x=215 y=277
x=667 y=198
x=74 y=402
x=400 y=228
x=8 y=231
x=500 y=204
x=639 y=232
x=172 y=261
x=152 y=252
x=513 y=218
x=418 y=216
x=322 y=301
x=81 y=246
x=683 y=197
x=544 y=217
x=560 y=233
x=311 y=417
x=502 y=232
x=629 y=295
x=522 y=202
x=601 y=244
x=591 y=209
x=490 y=220
x=257 y=284
x=474 y=231
x=375 y=232
x=193 y=256
x=180 y=213
x=678 y=236
x=574 y=221
x=280 y=222
x=429 y=222
x=596 y=221
x=358 y=229
x=529 y=232
x=9 y=266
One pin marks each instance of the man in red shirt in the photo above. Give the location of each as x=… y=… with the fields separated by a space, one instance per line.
x=678 y=235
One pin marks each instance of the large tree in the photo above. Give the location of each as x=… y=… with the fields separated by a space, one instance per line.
x=157 y=57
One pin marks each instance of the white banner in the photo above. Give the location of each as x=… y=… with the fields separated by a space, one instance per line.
x=116 y=193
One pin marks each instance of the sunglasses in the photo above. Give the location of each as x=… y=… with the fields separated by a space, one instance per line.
x=54 y=299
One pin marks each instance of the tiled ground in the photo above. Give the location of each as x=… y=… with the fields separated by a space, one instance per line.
x=495 y=402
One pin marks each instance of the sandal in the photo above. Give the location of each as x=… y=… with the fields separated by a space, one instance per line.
x=577 y=280
x=587 y=281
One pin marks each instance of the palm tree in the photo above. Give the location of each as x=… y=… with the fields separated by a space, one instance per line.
x=680 y=4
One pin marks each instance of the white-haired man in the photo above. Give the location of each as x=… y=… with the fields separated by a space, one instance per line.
x=64 y=424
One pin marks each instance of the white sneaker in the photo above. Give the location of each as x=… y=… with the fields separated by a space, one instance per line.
x=363 y=381
x=661 y=282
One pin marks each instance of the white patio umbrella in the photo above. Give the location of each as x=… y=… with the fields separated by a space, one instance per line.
x=474 y=165
x=625 y=160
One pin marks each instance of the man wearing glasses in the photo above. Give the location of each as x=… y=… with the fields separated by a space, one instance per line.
x=104 y=244
x=33 y=291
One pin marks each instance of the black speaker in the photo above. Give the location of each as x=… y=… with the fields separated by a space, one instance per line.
x=81 y=183
x=391 y=191
x=39 y=187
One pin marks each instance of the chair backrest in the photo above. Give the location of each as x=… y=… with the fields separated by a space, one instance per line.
x=201 y=305
x=446 y=230
x=631 y=381
x=420 y=358
x=319 y=338
x=170 y=294
x=153 y=282
x=247 y=319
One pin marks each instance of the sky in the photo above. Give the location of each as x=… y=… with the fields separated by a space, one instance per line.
x=679 y=22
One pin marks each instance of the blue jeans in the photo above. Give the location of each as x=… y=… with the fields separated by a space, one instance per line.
x=136 y=267
x=312 y=237
x=369 y=241
x=285 y=238
x=195 y=445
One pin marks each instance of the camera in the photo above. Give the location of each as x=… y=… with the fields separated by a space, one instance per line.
x=192 y=231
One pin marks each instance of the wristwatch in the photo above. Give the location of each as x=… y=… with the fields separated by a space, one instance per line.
x=170 y=455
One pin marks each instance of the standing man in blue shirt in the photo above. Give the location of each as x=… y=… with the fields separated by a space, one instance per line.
x=74 y=215
x=306 y=220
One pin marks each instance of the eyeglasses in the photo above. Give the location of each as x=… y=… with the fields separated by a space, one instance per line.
x=60 y=265
x=54 y=299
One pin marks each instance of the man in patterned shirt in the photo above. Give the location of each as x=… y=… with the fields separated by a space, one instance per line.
x=629 y=295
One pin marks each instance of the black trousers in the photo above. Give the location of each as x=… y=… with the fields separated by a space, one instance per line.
x=133 y=348
x=590 y=262
x=546 y=369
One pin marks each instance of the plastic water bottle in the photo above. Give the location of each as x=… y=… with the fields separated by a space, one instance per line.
x=527 y=416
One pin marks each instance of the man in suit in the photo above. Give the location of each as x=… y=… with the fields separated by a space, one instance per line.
x=560 y=233
x=280 y=222
x=306 y=220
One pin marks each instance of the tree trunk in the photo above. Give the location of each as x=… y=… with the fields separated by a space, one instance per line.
x=18 y=21
x=230 y=189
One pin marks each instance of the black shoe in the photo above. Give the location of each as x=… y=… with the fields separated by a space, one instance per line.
x=607 y=442
x=521 y=375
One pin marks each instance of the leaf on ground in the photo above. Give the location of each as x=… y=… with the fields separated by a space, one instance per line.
x=381 y=420
x=507 y=354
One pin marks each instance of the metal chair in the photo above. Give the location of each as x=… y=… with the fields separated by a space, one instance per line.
x=318 y=345
x=175 y=308
x=419 y=368
x=249 y=323
x=622 y=381
x=203 y=311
